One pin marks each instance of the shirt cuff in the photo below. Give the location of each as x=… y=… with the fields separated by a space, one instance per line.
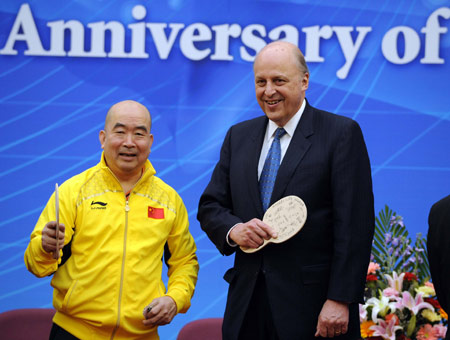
x=230 y=242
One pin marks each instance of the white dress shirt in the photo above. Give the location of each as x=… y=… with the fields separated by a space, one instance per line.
x=290 y=127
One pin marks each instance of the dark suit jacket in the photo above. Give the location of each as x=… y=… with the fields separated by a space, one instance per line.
x=327 y=166
x=438 y=244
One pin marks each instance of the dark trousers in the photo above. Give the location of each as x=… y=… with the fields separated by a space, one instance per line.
x=59 y=333
x=258 y=322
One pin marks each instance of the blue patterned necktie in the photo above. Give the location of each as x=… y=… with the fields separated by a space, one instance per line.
x=270 y=169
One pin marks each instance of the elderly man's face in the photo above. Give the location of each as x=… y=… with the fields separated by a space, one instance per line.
x=280 y=85
x=126 y=140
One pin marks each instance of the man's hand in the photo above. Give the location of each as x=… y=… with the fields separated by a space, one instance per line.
x=333 y=319
x=160 y=311
x=49 y=237
x=252 y=234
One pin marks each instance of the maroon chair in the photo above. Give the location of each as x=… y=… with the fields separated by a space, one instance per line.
x=205 y=329
x=25 y=324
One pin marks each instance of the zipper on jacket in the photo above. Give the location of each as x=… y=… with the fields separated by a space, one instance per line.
x=127 y=209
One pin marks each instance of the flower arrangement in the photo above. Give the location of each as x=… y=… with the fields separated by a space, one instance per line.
x=400 y=301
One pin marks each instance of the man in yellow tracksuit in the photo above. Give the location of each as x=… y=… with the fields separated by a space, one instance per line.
x=116 y=221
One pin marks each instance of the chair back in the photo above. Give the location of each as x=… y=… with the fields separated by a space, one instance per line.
x=25 y=324
x=205 y=329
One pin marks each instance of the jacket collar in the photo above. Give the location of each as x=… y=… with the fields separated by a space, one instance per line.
x=148 y=170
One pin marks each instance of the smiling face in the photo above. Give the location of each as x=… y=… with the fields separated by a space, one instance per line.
x=126 y=140
x=280 y=81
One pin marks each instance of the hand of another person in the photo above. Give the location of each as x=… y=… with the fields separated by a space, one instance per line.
x=160 y=311
x=49 y=237
x=333 y=319
x=252 y=234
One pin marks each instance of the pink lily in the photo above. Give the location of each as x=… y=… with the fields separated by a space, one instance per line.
x=395 y=281
x=413 y=304
x=390 y=292
x=362 y=313
x=385 y=330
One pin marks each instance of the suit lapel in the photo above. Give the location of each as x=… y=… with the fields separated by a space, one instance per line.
x=251 y=166
x=297 y=149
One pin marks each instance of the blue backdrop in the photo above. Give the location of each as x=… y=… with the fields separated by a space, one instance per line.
x=383 y=63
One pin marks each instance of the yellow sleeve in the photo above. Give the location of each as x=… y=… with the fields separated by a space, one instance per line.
x=183 y=264
x=37 y=260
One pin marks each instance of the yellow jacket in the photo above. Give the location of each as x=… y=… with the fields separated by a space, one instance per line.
x=116 y=247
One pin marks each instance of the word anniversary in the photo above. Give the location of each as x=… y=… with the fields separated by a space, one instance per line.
x=197 y=41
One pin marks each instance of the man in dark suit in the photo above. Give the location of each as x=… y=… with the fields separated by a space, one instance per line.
x=438 y=244
x=311 y=284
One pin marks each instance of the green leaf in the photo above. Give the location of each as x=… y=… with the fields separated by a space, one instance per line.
x=411 y=325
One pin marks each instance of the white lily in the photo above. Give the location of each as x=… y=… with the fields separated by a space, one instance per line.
x=380 y=306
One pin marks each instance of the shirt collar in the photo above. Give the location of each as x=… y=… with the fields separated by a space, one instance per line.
x=290 y=126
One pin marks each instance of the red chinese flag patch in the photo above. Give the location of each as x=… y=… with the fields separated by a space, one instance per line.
x=157 y=213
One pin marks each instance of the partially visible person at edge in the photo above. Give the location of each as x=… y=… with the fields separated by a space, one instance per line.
x=310 y=285
x=116 y=221
x=438 y=246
